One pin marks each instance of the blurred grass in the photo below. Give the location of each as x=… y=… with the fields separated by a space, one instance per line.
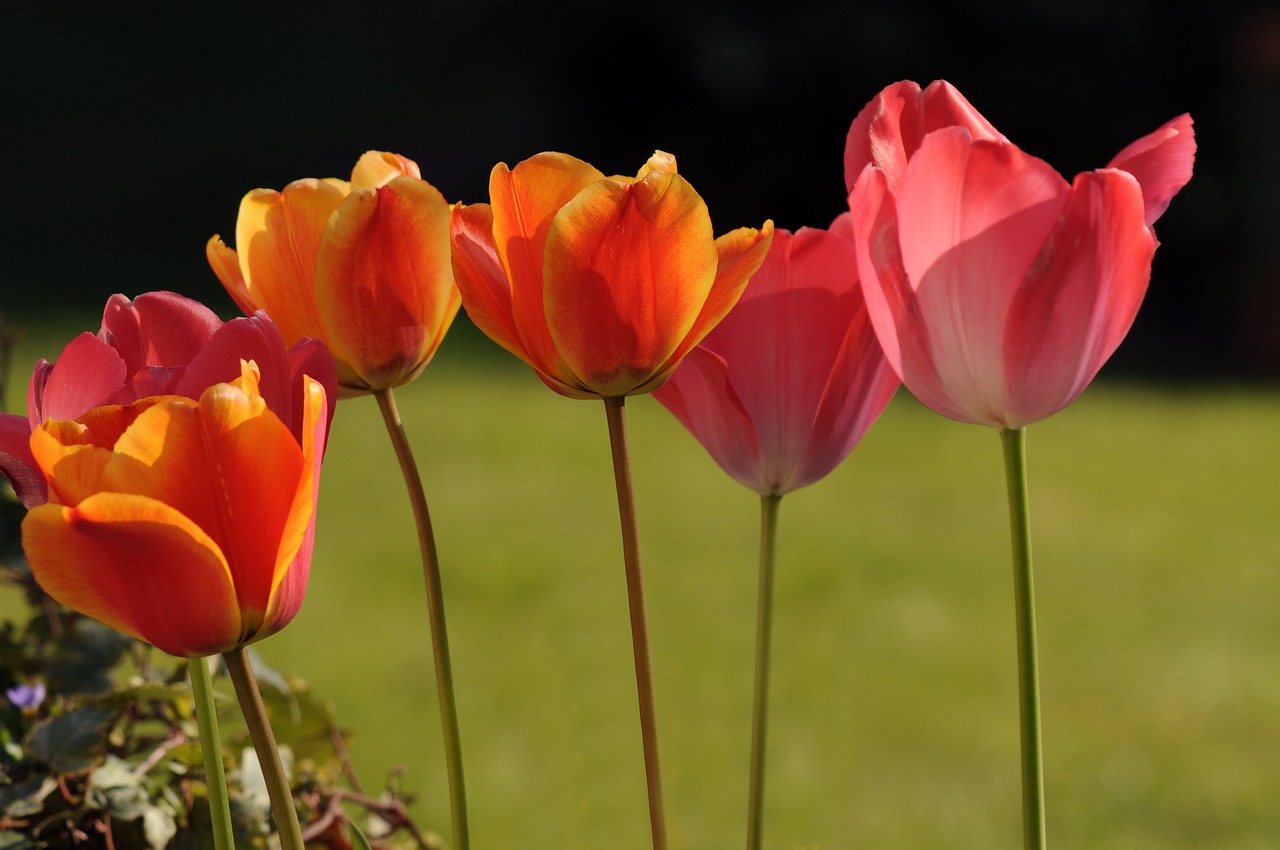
x=894 y=716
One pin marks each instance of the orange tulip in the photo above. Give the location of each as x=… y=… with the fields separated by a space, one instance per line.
x=363 y=265
x=601 y=284
x=184 y=523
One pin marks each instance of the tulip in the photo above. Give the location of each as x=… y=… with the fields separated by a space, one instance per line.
x=601 y=284
x=161 y=343
x=366 y=267
x=184 y=523
x=997 y=289
x=779 y=393
x=782 y=389
x=363 y=265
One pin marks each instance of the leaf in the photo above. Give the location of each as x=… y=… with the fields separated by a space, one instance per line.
x=10 y=840
x=27 y=797
x=85 y=657
x=70 y=741
x=358 y=841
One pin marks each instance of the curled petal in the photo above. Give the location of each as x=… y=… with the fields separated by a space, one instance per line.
x=376 y=169
x=1161 y=162
x=156 y=328
x=892 y=126
x=140 y=567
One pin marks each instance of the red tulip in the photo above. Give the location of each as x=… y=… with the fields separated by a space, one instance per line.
x=364 y=266
x=184 y=523
x=601 y=284
x=786 y=385
x=997 y=289
x=161 y=343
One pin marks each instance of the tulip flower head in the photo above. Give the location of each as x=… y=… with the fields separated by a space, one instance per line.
x=185 y=523
x=997 y=288
x=782 y=390
x=363 y=265
x=160 y=343
x=601 y=284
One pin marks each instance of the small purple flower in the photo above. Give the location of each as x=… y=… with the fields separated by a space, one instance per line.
x=26 y=696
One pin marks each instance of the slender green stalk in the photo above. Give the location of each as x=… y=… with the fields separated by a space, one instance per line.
x=435 y=610
x=1015 y=464
x=764 y=629
x=264 y=743
x=639 y=618
x=211 y=750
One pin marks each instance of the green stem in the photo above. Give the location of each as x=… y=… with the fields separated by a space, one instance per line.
x=639 y=618
x=1015 y=463
x=764 y=629
x=264 y=743
x=211 y=750
x=435 y=611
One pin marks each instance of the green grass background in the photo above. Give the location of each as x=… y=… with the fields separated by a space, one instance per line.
x=894 y=719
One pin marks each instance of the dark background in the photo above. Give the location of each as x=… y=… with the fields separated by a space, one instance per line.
x=131 y=134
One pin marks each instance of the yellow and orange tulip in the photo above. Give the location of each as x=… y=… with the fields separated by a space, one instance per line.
x=601 y=284
x=185 y=523
x=363 y=265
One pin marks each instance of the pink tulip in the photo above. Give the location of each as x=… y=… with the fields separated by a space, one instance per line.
x=161 y=343
x=785 y=386
x=997 y=289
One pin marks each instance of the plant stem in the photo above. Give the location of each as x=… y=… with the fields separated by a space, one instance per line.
x=264 y=743
x=1015 y=463
x=435 y=611
x=639 y=618
x=764 y=629
x=211 y=750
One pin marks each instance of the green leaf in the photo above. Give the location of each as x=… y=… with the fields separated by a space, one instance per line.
x=10 y=840
x=71 y=741
x=27 y=797
x=358 y=841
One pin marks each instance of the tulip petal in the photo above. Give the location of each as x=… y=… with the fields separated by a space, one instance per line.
x=240 y=340
x=277 y=239
x=207 y=463
x=739 y=255
x=384 y=283
x=972 y=217
x=156 y=328
x=524 y=202
x=376 y=169
x=628 y=269
x=225 y=263
x=140 y=567
x=700 y=395
x=1161 y=162
x=88 y=373
x=892 y=126
x=486 y=292
x=1081 y=296
x=16 y=461
x=289 y=582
